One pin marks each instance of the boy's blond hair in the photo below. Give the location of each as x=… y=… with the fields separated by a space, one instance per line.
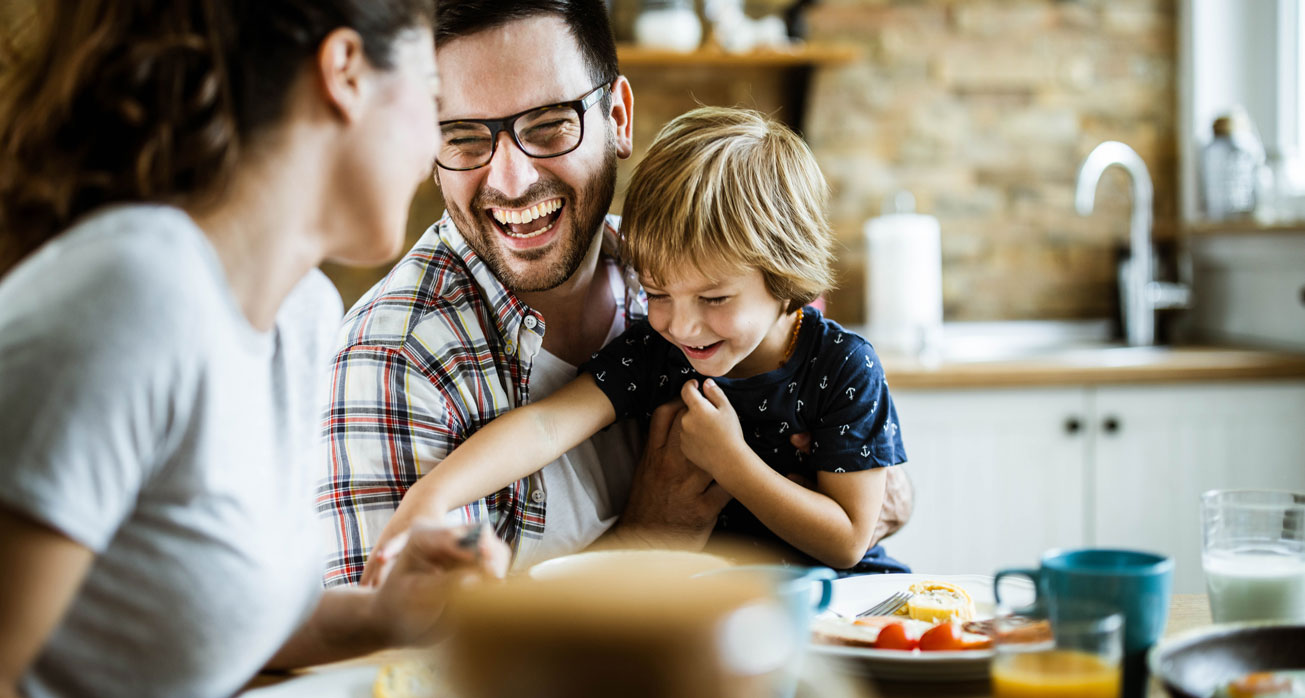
x=727 y=187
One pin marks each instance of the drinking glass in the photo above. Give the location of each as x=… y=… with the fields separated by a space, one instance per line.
x=1253 y=554
x=1059 y=650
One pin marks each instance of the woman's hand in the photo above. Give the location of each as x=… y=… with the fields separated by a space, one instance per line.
x=429 y=563
x=712 y=437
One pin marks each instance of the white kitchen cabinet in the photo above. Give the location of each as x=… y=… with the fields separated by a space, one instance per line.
x=1157 y=448
x=1002 y=475
x=998 y=476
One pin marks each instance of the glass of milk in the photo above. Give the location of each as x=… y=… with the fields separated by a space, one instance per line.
x=1253 y=553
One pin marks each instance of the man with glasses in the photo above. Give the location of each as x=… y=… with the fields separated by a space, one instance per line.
x=502 y=298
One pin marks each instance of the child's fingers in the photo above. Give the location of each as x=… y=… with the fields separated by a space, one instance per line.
x=692 y=398
x=714 y=394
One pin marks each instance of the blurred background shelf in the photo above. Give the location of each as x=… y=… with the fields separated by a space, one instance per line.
x=1247 y=227
x=809 y=55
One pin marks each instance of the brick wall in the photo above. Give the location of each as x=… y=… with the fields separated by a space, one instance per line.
x=983 y=109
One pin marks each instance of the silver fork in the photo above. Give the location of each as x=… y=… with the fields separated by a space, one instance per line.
x=888 y=605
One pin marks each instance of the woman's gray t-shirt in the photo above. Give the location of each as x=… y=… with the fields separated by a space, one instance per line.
x=147 y=420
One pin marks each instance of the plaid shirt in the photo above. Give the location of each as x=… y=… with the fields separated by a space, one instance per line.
x=429 y=355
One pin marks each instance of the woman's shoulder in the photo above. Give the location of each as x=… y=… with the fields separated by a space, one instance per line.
x=126 y=276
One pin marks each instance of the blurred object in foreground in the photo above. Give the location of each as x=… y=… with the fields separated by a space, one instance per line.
x=630 y=626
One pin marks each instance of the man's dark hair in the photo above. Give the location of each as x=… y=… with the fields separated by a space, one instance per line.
x=587 y=20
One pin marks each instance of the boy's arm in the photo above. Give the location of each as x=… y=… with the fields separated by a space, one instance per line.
x=512 y=446
x=833 y=524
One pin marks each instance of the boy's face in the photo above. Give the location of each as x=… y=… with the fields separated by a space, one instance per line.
x=725 y=321
x=502 y=71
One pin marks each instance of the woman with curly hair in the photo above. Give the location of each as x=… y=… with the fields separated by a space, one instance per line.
x=171 y=175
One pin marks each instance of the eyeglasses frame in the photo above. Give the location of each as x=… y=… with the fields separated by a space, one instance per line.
x=497 y=126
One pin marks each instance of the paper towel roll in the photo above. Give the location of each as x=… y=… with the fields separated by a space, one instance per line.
x=905 y=283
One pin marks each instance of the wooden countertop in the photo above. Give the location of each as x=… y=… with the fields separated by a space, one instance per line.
x=1091 y=366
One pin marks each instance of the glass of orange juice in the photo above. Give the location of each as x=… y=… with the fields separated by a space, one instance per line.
x=1061 y=650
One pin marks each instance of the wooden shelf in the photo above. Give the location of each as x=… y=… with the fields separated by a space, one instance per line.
x=1242 y=227
x=799 y=56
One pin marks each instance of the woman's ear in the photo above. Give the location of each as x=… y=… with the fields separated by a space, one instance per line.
x=622 y=116
x=342 y=71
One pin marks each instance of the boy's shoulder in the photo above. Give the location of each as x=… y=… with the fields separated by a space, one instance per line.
x=831 y=336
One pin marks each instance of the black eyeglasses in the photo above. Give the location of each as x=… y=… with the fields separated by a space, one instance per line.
x=541 y=132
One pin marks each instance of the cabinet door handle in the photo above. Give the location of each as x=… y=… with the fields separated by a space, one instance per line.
x=1073 y=425
x=1110 y=425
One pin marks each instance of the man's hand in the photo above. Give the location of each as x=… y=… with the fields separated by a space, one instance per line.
x=673 y=503
x=899 y=499
x=415 y=585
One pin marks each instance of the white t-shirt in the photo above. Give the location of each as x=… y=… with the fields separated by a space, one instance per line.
x=147 y=420
x=587 y=487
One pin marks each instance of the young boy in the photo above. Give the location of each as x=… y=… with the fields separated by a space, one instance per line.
x=724 y=222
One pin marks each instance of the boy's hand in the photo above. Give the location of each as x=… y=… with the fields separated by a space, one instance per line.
x=712 y=434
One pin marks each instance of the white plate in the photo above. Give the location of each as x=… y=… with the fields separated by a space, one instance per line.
x=855 y=594
x=332 y=682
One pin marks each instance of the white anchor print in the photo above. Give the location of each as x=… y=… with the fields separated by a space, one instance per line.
x=685 y=370
x=783 y=427
x=646 y=338
x=627 y=361
x=661 y=380
x=839 y=470
x=869 y=363
x=843 y=429
x=824 y=382
x=791 y=387
x=874 y=406
x=764 y=404
x=630 y=340
x=839 y=338
x=865 y=451
x=601 y=376
x=851 y=393
x=593 y=355
x=631 y=388
x=799 y=406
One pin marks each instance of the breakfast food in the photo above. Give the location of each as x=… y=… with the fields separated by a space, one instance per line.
x=1265 y=684
x=938 y=617
x=409 y=678
x=936 y=602
x=895 y=633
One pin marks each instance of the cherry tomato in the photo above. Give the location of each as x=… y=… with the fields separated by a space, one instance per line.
x=893 y=637
x=943 y=636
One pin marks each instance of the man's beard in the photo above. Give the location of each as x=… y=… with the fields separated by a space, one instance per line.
x=589 y=207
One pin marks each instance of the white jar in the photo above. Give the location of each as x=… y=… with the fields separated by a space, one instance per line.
x=668 y=24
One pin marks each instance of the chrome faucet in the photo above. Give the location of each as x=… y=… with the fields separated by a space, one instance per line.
x=1140 y=294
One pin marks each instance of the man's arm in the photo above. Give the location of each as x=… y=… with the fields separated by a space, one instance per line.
x=899 y=502
x=673 y=503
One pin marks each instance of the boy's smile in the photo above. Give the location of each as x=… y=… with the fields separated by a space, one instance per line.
x=727 y=324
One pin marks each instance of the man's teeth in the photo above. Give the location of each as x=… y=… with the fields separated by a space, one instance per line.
x=519 y=217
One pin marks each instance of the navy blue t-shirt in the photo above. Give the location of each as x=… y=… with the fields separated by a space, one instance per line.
x=832 y=387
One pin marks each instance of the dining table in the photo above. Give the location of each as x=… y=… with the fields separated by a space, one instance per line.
x=1186 y=612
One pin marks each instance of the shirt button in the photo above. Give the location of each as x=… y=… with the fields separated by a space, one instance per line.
x=537 y=496
x=531 y=322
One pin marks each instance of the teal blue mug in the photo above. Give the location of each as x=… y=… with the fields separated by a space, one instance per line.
x=1133 y=582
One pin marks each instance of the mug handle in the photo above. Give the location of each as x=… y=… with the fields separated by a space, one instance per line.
x=1015 y=572
x=826 y=577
